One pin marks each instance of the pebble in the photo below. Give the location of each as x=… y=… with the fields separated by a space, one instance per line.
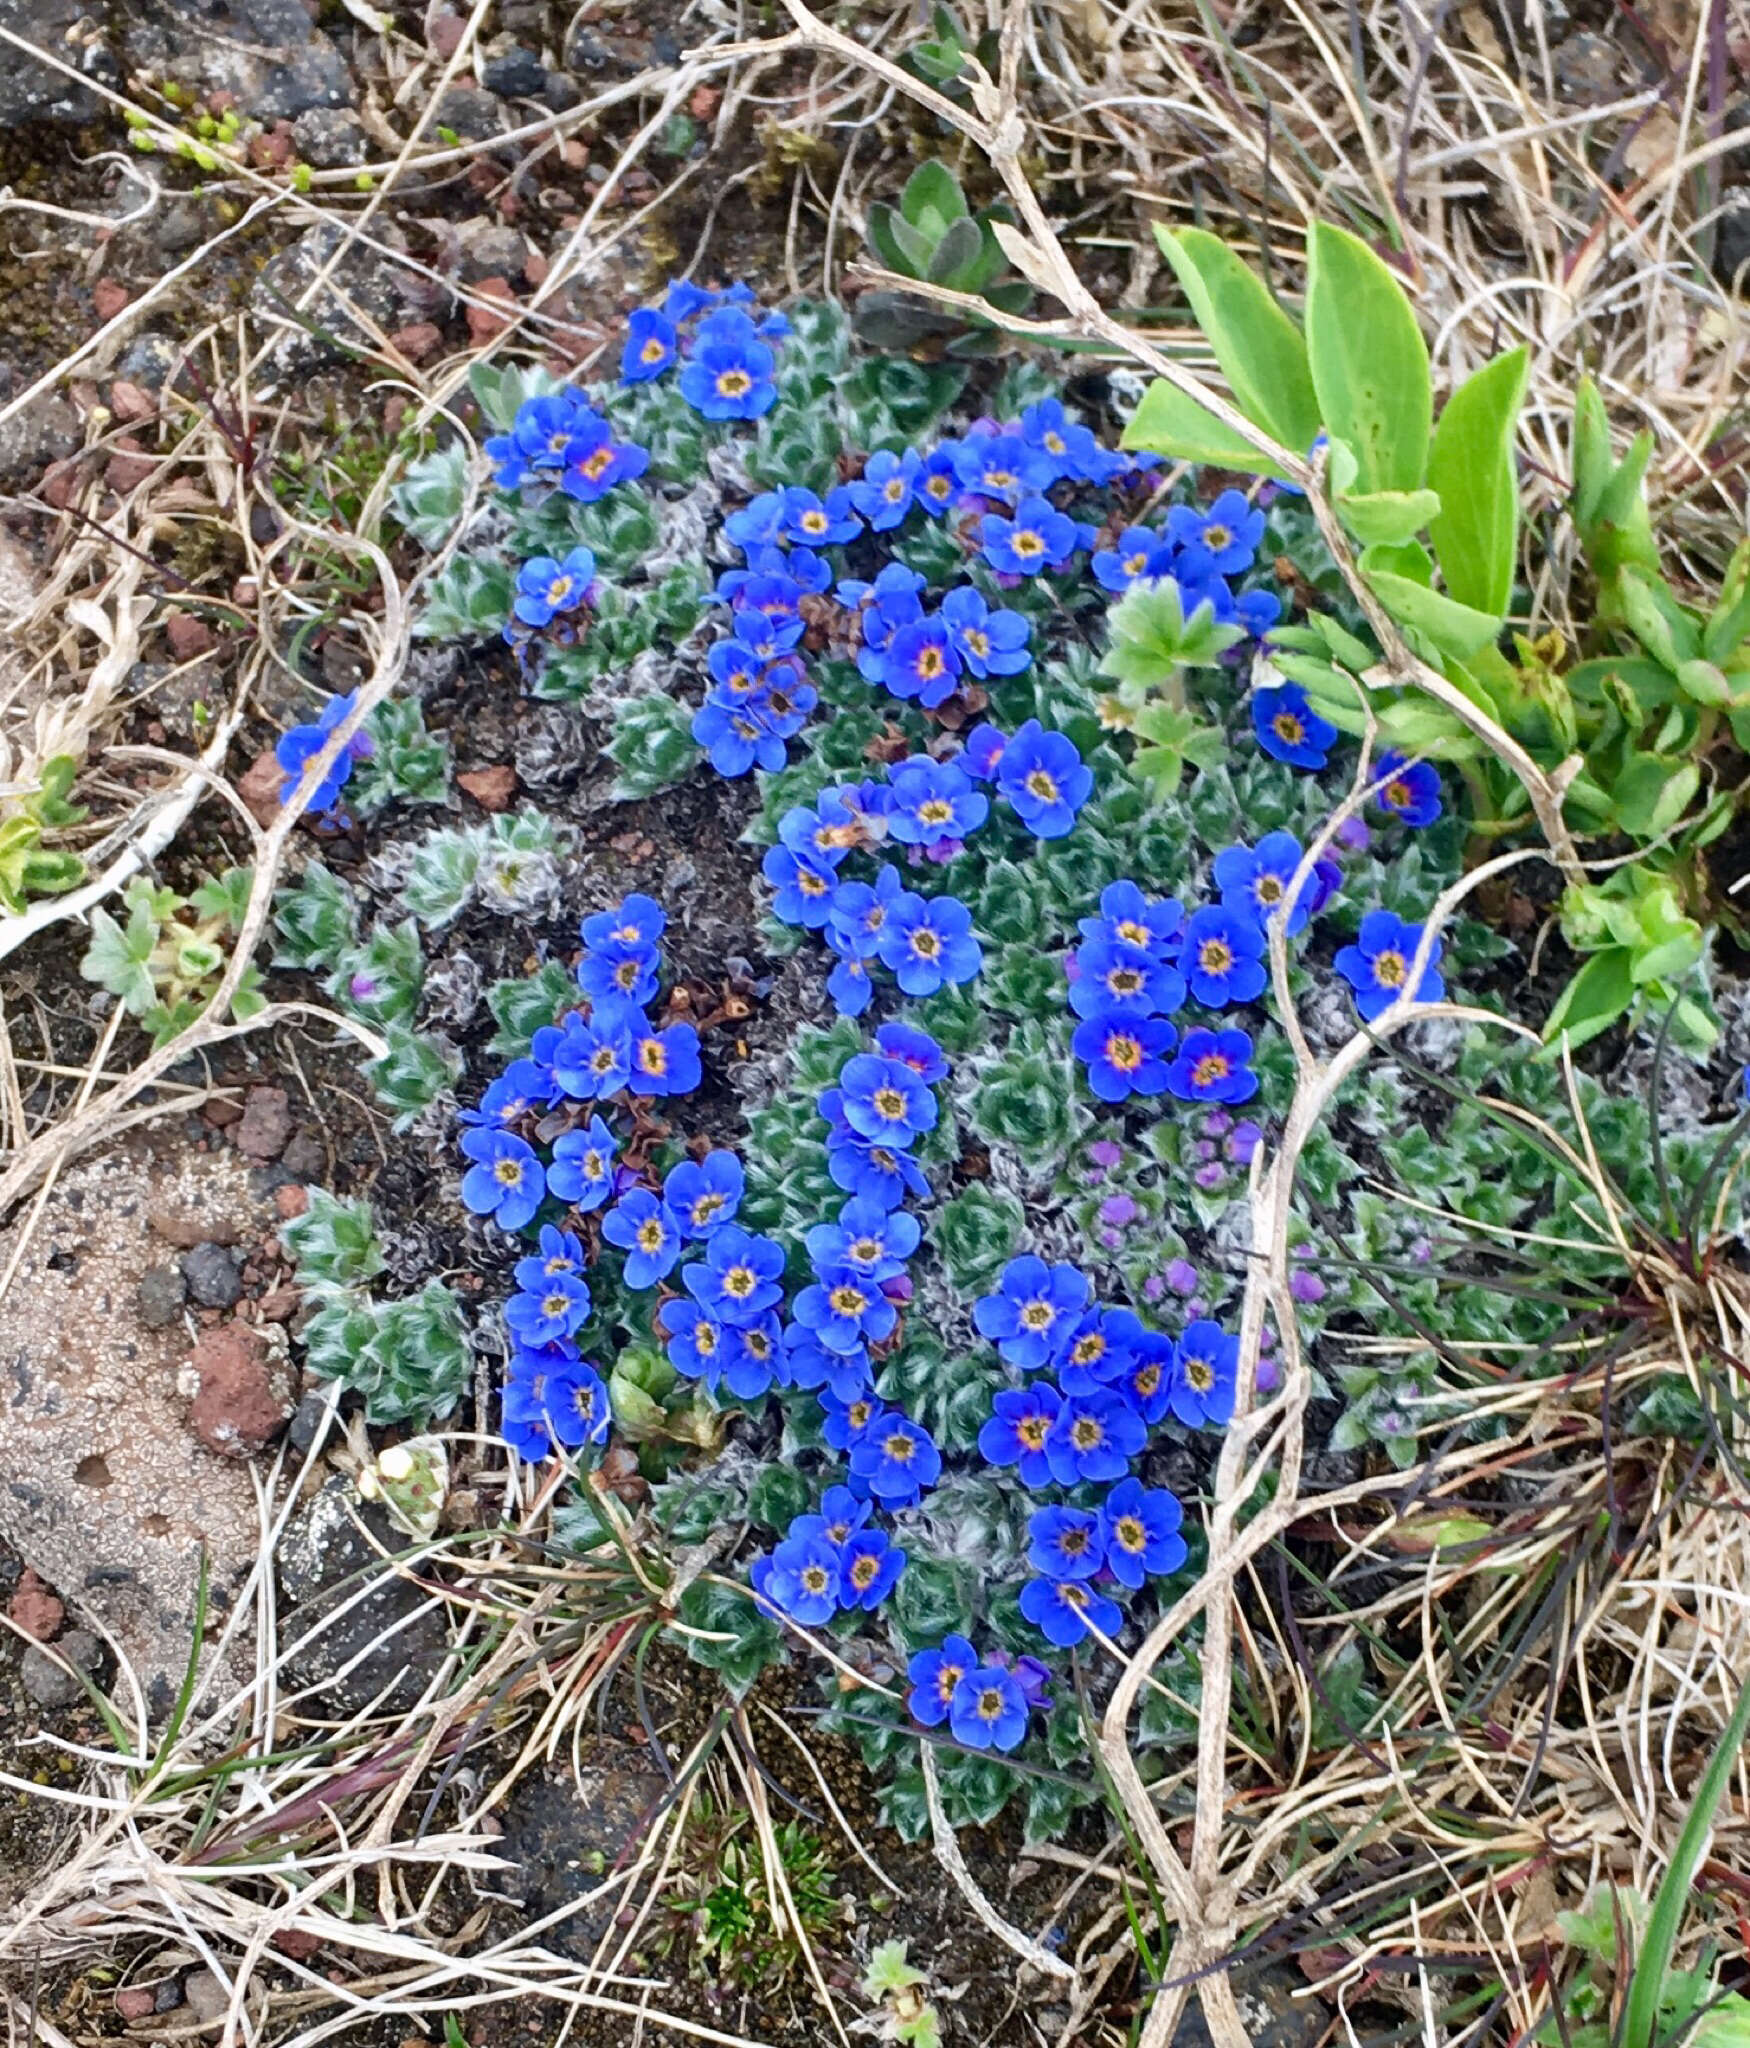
x=489 y=250
x=291 y=1201
x=266 y=1125
x=330 y=138
x=36 y=1608
x=260 y=787
x=212 y=1276
x=493 y=789
x=306 y=1420
x=205 y=1996
x=136 y=2002
x=44 y=1680
x=306 y=1156
x=519 y=74
x=160 y=1296
x=242 y=1404
x=474 y=115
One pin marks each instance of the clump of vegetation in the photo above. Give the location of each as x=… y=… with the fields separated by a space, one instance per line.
x=165 y=963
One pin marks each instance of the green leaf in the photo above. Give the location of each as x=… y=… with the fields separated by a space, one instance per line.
x=1453 y=628
x=1368 y=359
x=116 y=958
x=956 y=257
x=1152 y=639
x=1594 y=999
x=1476 y=534
x=1170 y=423
x=1651 y=792
x=932 y=198
x=1258 y=346
x=1387 y=518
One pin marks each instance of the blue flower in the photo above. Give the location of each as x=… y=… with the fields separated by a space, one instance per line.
x=578 y=1408
x=624 y=973
x=841 y=1515
x=1125 y=1054
x=558 y=1308
x=1290 y=729
x=1104 y=1340
x=800 y=1579
x=1063 y=1610
x=884 y=1100
x=845 y=1310
x=877 y=1173
x=591 y=1060
x=916 y=1048
x=869 y=1569
x=704 y=1193
x=1411 y=789
x=664 y=1062
x=896 y=1459
x=752 y=1356
x=990 y=643
x=730 y=375
x=696 y=1340
x=884 y=493
x=740 y=1277
x=648 y=1234
x=560 y=1252
x=825 y=834
x=818 y=523
x=1032 y=1316
x=636 y=921
x=544 y=586
x=737 y=741
x=1019 y=1428
x=505 y=1181
x=1039 y=537
x=1045 y=780
x=1145 y=1378
x=1230 y=530
x=807 y=1363
x=1065 y=1543
x=1255 y=881
x=1138 y=555
x=804 y=884
x=1111 y=977
x=933 y=801
x=858 y=911
x=1072 y=450
x=650 y=346
x=1223 y=957
x=934 y=1674
x=758 y=523
x=927 y=943
x=938 y=483
x=982 y=751
x=922 y=661
x=1206 y=1364
x=1257 y=611
x=1095 y=1436
x=1139 y=1529
x=1003 y=466
x=524 y=1085
x=847 y=1421
x=682 y=300
x=596 y=462
x=302 y=743
x=1377 y=966
x=871 y=1242
x=988 y=1709
x=848 y=981
x=1212 y=1067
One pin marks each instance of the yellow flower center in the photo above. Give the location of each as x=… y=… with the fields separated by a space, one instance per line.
x=1212 y=1067
x=1124 y=1053
x=1215 y=956
x=733 y=383
x=1390 y=969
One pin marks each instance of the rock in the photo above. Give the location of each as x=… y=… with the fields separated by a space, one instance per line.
x=484 y=324
x=149 y=360
x=244 y=1398
x=398 y=1638
x=260 y=786
x=45 y=1680
x=493 y=789
x=188 y=636
x=48 y=430
x=33 y=92
x=206 y=1996
x=443 y=32
x=19 y=578
x=330 y=138
x=306 y=1156
x=317 y=319
x=306 y=1420
x=419 y=342
x=266 y=1125
x=1732 y=247
x=489 y=250
x=561 y=93
x=474 y=115
x=128 y=466
x=36 y=1608
x=160 y=1296
x=212 y=1276
x=267 y=55
x=518 y=75
x=555 y=1828
x=109 y=298
x=136 y=2002
x=1588 y=69
x=129 y=401
x=1275 y=2005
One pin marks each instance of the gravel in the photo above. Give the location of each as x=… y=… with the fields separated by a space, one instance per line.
x=213 y=1277
x=47 y=1684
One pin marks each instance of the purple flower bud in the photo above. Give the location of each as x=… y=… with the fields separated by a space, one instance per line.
x=1118 y=1210
x=1196 y=1309
x=1217 y=1123
x=1210 y=1176
x=899 y=1288
x=361 y=746
x=1181 y=1277
x=1111 y=1239
x=1391 y=1422
x=1307 y=1287
x=1268 y=1376
x=944 y=851
x=1029 y=1674
x=1153 y=1288
x=1104 y=1153
x=1243 y=1143
x=362 y=987
x=1421 y=1251
x=1353 y=834
x=1203 y=1149
x=1266 y=1339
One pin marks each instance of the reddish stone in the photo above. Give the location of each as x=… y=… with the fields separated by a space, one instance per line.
x=260 y=788
x=294 y=1942
x=136 y=2002
x=292 y=1200
x=535 y=267
x=483 y=323
x=274 y=148
x=493 y=789
x=129 y=465
x=281 y=1305
x=35 y=1607
x=266 y=1125
x=185 y=1232
x=420 y=342
x=221 y=1112
x=131 y=401
x=108 y=297
x=443 y=33
x=243 y=1402
x=61 y=483
x=703 y=103
x=188 y=636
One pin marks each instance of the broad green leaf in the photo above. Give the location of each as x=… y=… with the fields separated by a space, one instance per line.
x=1594 y=999
x=1368 y=359
x=956 y=256
x=1407 y=558
x=1152 y=638
x=1729 y=622
x=115 y=962
x=1651 y=793
x=1258 y=346
x=1476 y=535
x=1453 y=628
x=1705 y=683
x=1387 y=518
x=1170 y=423
x=932 y=198
x=1657 y=621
